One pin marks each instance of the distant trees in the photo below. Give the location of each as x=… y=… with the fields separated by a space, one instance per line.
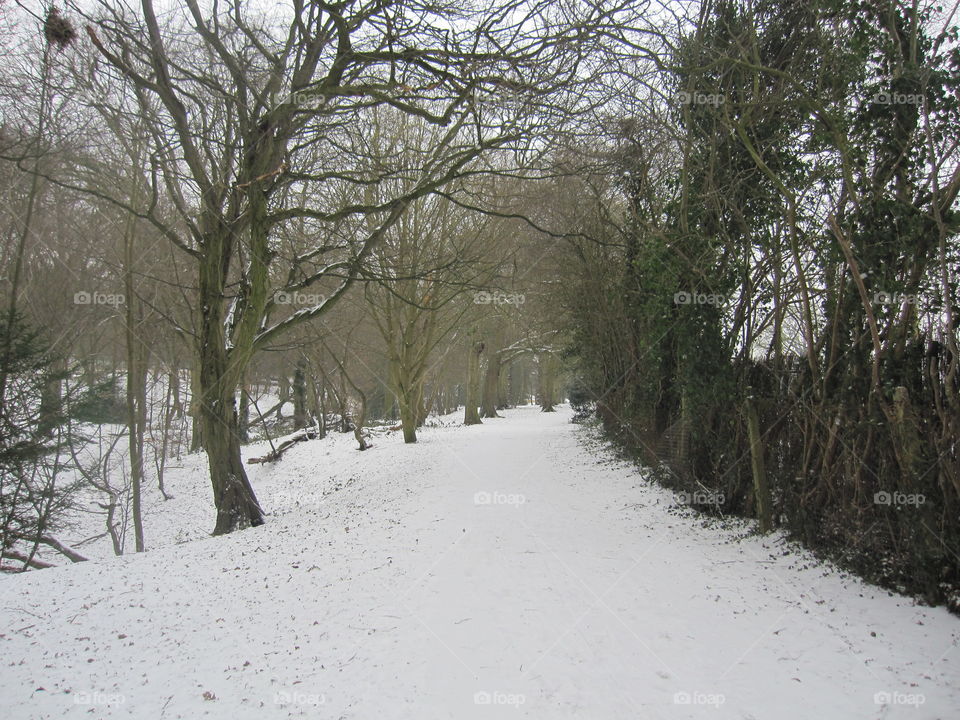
x=418 y=278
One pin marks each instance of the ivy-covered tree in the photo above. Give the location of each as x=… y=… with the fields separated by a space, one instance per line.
x=784 y=297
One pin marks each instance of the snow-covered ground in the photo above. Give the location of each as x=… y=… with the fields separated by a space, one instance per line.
x=514 y=569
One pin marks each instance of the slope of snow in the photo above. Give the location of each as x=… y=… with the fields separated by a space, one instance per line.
x=509 y=570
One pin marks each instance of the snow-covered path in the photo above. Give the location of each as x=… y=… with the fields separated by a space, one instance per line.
x=501 y=571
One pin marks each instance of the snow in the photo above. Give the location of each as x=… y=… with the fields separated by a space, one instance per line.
x=515 y=569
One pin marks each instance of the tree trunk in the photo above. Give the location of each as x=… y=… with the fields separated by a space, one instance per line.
x=343 y=400
x=236 y=504
x=503 y=400
x=760 y=487
x=136 y=425
x=470 y=414
x=423 y=407
x=410 y=399
x=546 y=377
x=233 y=496
x=283 y=392
x=361 y=420
x=196 y=430
x=408 y=421
x=243 y=421
x=168 y=412
x=174 y=386
x=322 y=406
x=300 y=395
x=316 y=406
x=491 y=387
x=136 y=386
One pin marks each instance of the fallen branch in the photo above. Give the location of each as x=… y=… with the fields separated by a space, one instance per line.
x=28 y=561
x=50 y=541
x=276 y=454
x=64 y=550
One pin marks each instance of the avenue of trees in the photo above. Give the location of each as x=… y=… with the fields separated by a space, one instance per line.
x=726 y=229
